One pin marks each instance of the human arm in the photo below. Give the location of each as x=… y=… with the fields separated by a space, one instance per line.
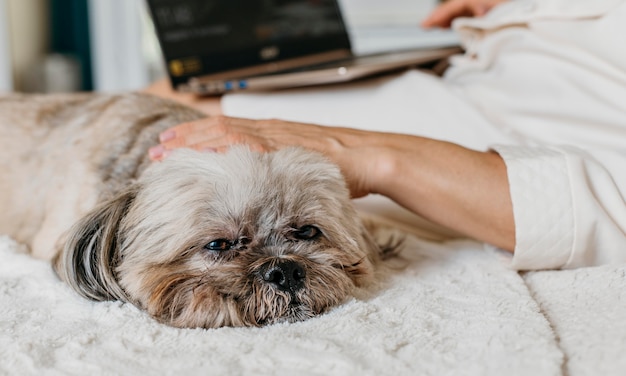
x=462 y=189
x=445 y=13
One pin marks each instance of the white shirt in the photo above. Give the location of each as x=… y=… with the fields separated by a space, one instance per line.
x=543 y=83
x=553 y=72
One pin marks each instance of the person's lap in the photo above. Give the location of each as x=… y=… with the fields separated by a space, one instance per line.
x=413 y=102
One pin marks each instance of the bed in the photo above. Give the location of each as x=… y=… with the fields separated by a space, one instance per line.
x=442 y=308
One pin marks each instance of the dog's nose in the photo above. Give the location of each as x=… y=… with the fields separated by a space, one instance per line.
x=286 y=275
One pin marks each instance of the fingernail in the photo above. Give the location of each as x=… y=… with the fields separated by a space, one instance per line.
x=167 y=135
x=166 y=153
x=156 y=151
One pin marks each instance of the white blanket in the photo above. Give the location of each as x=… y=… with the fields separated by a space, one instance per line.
x=454 y=308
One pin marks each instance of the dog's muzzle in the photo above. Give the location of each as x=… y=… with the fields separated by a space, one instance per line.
x=285 y=275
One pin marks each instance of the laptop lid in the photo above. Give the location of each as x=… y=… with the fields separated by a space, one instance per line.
x=222 y=38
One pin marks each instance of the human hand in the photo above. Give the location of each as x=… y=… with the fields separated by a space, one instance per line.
x=462 y=189
x=350 y=149
x=445 y=13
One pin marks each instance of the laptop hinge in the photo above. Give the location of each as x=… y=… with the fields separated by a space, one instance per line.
x=273 y=67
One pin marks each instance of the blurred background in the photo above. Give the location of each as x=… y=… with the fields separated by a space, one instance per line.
x=109 y=45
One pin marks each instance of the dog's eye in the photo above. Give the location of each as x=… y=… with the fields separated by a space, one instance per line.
x=307 y=232
x=218 y=245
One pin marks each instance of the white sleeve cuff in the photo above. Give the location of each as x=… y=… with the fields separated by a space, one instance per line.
x=542 y=206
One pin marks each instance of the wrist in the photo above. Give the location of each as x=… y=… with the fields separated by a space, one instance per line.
x=398 y=164
x=461 y=189
x=384 y=172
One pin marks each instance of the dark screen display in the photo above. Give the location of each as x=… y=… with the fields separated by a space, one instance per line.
x=216 y=35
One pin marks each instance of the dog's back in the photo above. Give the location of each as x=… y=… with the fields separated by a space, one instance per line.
x=62 y=154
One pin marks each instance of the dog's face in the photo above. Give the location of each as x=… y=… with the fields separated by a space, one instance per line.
x=210 y=240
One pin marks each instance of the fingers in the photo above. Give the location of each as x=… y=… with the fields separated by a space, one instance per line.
x=443 y=15
x=210 y=134
x=183 y=130
x=220 y=132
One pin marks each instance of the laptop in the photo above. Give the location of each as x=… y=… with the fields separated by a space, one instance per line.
x=213 y=47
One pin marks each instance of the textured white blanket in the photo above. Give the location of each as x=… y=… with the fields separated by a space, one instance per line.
x=587 y=310
x=453 y=309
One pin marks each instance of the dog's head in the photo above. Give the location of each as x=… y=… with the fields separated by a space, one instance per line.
x=210 y=240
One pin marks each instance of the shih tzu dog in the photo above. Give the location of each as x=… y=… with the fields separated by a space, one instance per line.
x=198 y=240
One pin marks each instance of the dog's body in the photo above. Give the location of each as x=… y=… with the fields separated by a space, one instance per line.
x=60 y=155
x=204 y=240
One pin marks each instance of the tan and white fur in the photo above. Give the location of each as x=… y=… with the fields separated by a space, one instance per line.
x=199 y=240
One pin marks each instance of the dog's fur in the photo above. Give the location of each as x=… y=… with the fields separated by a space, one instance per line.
x=199 y=240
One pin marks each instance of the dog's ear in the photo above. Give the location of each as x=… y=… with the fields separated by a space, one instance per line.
x=91 y=252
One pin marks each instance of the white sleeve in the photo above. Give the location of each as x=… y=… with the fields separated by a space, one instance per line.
x=569 y=206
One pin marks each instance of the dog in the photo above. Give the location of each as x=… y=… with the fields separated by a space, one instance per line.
x=197 y=240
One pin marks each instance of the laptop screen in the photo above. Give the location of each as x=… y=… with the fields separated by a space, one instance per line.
x=200 y=37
